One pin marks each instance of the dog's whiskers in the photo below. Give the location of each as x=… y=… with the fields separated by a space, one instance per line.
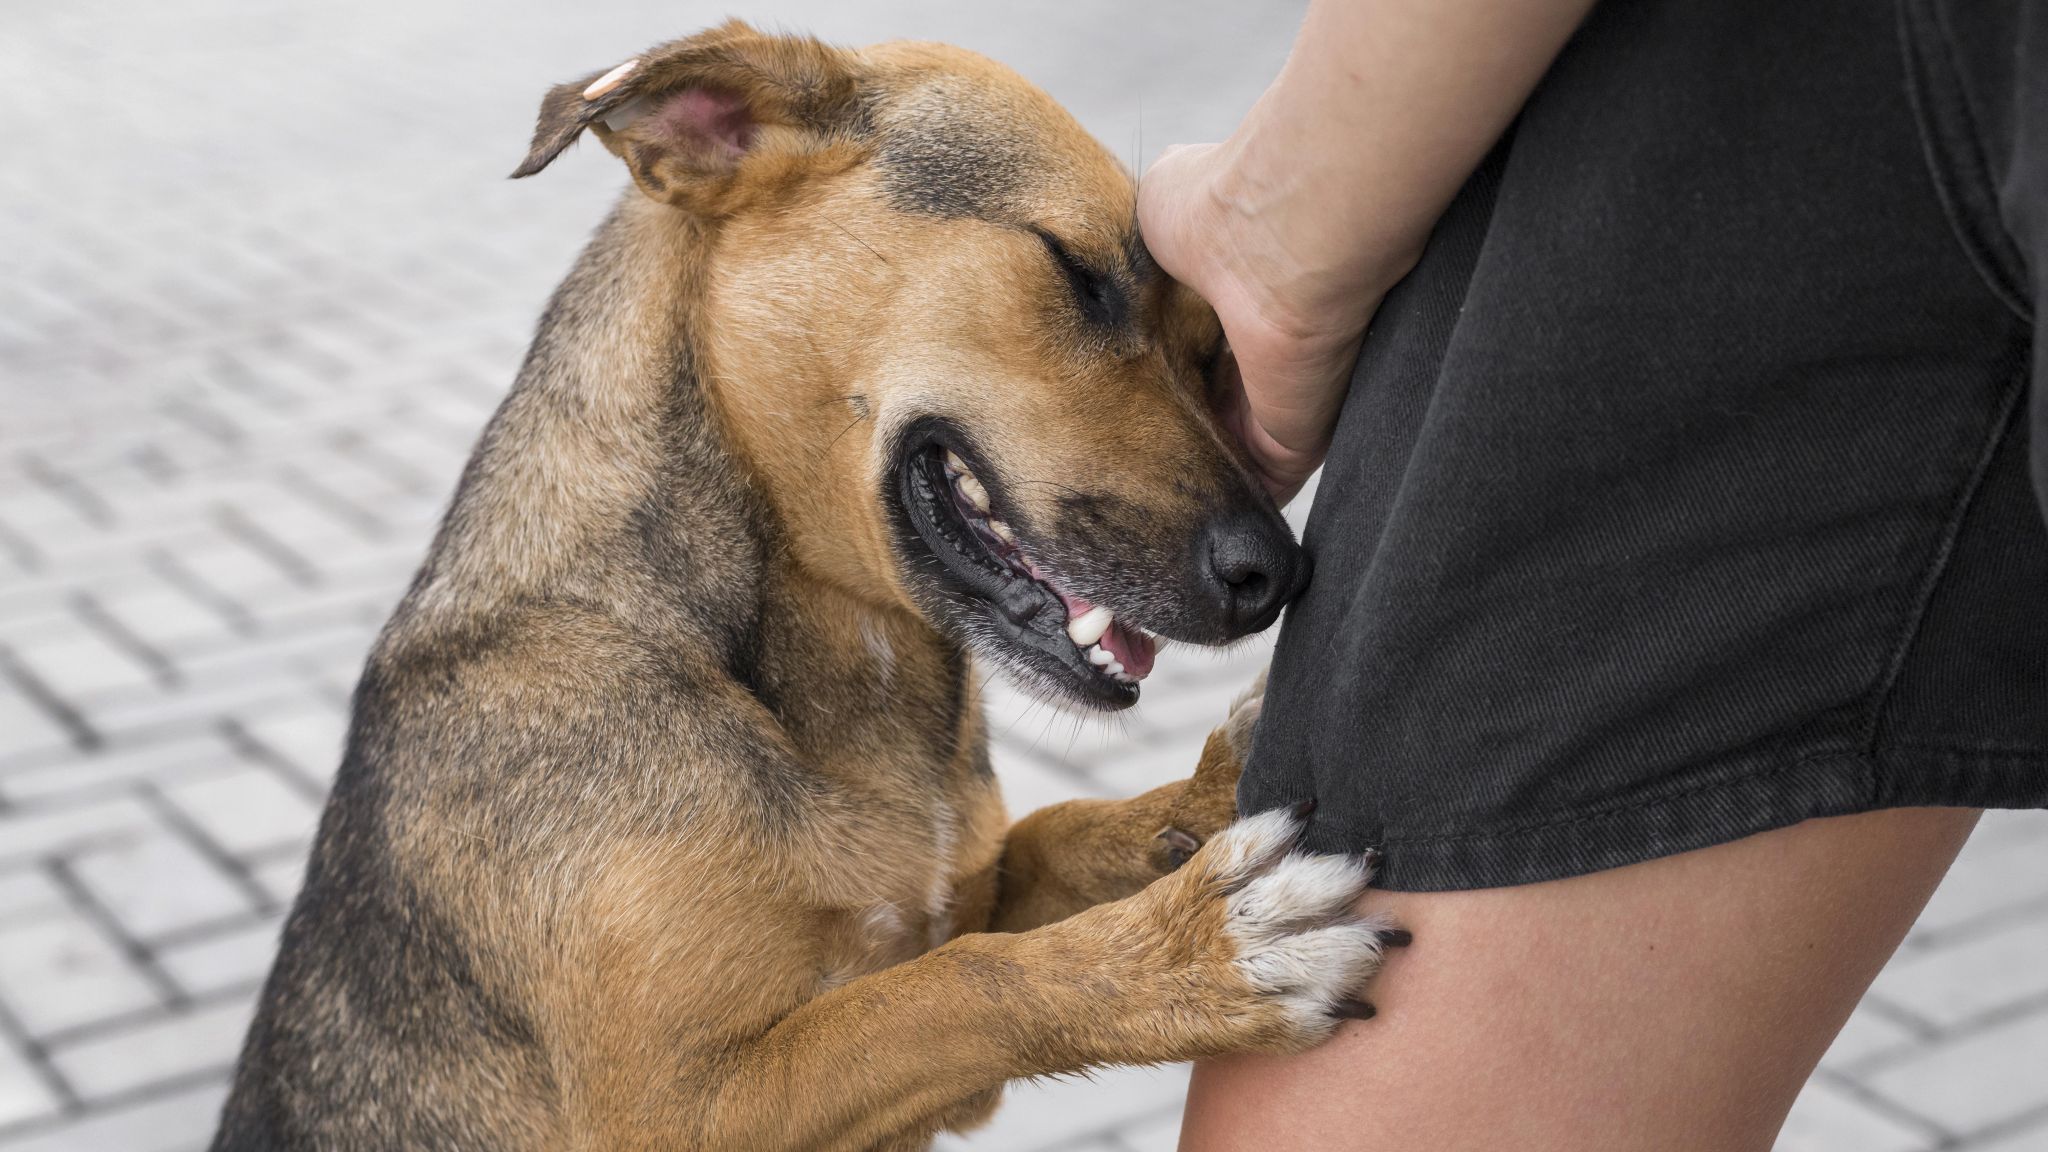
x=850 y=426
x=1067 y=488
x=857 y=240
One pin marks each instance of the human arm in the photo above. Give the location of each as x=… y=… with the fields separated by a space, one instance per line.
x=1296 y=226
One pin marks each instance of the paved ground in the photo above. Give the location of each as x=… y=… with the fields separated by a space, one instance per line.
x=263 y=283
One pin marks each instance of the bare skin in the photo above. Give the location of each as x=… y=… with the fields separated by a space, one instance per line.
x=1677 y=1004
x=1296 y=226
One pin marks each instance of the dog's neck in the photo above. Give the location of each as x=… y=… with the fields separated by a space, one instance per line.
x=606 y=479
x=578 y=455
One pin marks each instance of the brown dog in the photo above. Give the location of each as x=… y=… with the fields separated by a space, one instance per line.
x=666 y=818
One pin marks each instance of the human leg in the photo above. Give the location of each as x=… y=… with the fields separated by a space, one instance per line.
x=1675 y=1004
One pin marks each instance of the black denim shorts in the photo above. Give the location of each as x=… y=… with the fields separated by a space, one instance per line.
x=1692 y=485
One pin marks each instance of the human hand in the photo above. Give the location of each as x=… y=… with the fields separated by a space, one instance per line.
x=1294 y=301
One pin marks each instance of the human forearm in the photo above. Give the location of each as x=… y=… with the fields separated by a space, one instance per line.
x=1382 y=110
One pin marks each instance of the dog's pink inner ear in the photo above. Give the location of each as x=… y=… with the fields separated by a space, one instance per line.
x=712 y=124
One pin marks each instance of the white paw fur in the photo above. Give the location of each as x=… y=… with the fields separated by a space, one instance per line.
x=1297 y=938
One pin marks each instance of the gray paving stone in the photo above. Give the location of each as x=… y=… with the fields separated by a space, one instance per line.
x=1975 y=1081
x=1973 y=978
x=1828 y=1119
x=31 y=835
x=173 y=1048
x=1144 y=764
x=159 y=883
x=230 y=959
x=2000 y=829
x=81 y=663
x=2027 y=1136
x=1159 y=1134
x=35 y=599
x=163 y=616
x=232 y=568
x=1867 y=1035
x=1118 y=751
x=1030 y=783
x=249 y=810
x=26 y=728
x=190 y=707
x=339 y=599
x=60 y=972
x=25 y=893
x=308 y=737
x=177 y=1121
x=111 y=770
x=25 y=1094
x=35 y=513
x=1999 y=870
x=1063 y=1113
x=281 y=877
x=287 y=658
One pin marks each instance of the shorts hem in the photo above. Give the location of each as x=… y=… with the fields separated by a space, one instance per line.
x=1768 y=796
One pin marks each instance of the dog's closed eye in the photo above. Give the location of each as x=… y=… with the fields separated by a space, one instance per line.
x=1099 y=297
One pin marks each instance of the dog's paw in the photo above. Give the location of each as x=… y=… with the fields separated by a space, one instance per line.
x=1208 y=800
x=1272 y=935
x=1297 y=938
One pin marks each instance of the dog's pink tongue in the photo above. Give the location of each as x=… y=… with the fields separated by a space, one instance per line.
x=1132 y=649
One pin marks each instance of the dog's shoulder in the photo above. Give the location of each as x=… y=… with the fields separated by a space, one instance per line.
x=546 y=712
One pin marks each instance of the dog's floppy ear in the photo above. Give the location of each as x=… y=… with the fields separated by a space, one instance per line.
x=684 y=116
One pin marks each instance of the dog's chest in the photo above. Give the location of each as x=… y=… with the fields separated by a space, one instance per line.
x=893 y=727
x=908 y=914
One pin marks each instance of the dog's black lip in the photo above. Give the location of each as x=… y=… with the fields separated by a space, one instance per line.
x=1026 y=613
x=957 y=545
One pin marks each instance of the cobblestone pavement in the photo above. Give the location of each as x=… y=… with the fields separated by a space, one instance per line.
x=263 y=282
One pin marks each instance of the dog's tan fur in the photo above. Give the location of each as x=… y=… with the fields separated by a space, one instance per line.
x=666 y=820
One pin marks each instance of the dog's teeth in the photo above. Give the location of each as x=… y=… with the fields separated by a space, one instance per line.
x=1089 y=626
x=1100 y=656
x=976 y=494
x=1114 y=669
x=954 y=465
x=1002 y=531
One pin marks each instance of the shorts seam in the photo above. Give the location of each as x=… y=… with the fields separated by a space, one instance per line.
x=1937 y=565
x=1868 y=763
x=1615 y=811
x=1949 y=146
x=1970 y=751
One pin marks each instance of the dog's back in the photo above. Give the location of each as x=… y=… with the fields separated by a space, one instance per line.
x=374 y=1031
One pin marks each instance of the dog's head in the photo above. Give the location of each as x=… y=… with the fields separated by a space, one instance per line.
x=930 y=324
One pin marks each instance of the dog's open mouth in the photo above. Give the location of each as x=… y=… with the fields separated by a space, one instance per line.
x=1099 y=657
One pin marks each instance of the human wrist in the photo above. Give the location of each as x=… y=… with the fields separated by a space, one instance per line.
x=1311 y=250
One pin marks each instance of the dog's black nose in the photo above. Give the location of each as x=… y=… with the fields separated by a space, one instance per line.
x=1253 y=569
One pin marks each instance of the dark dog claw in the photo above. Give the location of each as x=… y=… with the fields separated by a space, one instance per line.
x=1180 y=844
x=1300 y=810
x=1397 y=938
x=1354 y=1010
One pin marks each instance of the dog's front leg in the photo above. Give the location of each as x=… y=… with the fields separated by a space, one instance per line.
x=1066 y=857
x=1248 y=947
